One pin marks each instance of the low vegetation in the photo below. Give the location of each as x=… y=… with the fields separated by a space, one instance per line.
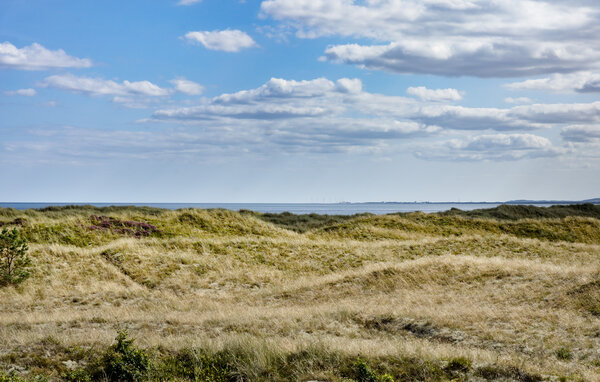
x=14 y=262
x=143 y=294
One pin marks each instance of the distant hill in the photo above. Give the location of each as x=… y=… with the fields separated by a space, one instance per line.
x=524 y=201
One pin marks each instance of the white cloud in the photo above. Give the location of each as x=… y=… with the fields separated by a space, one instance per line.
x=483 y=38
x=315 y=115
x=188 y=2
x=479 y=58
x=289 y=99
x=581 y=133
x=329 y=116
x=519 y=100
x=136 y=95
x=434 y=94
x=284 y=99
x=496 y=147
x=187 y=87
x=580 y=82
x=349 y=85
x=22 y=92
x=100 y=87
x=36 y=57
x=230 y=40
x=465 y=118
x=556 y=114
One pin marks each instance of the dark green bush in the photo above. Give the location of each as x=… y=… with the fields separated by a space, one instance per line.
x=14 y=262
x=364 y=374
x=564 y=354
x=77 y=375
x=459 y=364
x=124 y=362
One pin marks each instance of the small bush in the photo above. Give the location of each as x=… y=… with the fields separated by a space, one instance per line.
x=14 y=262
x=564 y=354
x=460 y=364
x=77 y=375
x=10 y=378
x=125 y=362
x=365 y=374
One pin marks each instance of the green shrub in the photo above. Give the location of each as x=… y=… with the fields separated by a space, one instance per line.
x=365 y=374
x=125 y=362
x=564 y=354
x=14 y=262
x=77 y=375
x=460 y=364
x=10 y=378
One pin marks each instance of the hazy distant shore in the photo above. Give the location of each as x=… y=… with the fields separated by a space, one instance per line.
x=343 y=208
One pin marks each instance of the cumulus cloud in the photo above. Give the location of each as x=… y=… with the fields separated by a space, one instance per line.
x=285 y=99
x=463 y=58
x=187 y=87
x=325 y=115
x=581 y=133
x=229 y=40
x=137 y=94
x=290 y=99
x=36 y=57
x=580 y=82
x=483 y=38
x=22 y=92
x=316 y=115
x=349 y=85
x=100 y=87
x=496 y=147
x=435 y=95
x=556 y=114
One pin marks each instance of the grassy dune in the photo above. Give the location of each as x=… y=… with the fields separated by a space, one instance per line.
x=509 y=294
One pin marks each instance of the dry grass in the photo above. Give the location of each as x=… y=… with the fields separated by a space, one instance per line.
x=430 y=287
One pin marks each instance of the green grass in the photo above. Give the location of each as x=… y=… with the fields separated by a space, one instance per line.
x=238 y=361
x=516 y=212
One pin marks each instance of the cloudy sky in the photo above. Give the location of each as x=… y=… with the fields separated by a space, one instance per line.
x=299 y=100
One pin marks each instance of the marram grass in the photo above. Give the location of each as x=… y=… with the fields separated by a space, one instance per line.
x=219 y=295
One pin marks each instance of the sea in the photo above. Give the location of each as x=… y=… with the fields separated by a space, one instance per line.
x=378 y=208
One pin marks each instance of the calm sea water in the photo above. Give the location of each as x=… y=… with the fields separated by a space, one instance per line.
x=296 y=208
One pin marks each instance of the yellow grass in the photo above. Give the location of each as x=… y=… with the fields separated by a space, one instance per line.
x=494 y=298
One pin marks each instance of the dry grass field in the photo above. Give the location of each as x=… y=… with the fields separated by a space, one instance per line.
x=219 y=295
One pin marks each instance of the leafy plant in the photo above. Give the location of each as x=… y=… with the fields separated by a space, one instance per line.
x=459 y=364
x=14 y=261
x=564 y=354
x=365 y=374
x=125 y=362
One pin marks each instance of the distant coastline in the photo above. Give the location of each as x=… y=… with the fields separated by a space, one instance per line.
x=342 y=208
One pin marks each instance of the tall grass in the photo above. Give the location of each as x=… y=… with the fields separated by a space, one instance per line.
x=427 y=297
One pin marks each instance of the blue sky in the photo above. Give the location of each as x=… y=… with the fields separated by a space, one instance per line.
x=299 y=100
